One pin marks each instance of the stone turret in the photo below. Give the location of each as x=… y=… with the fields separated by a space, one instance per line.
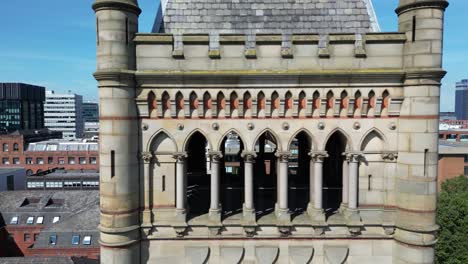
x=116 y=25
x=415 y=235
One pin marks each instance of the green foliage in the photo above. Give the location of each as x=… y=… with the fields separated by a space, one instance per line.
x=452 y=247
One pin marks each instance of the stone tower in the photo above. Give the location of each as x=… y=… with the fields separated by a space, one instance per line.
x=116 y=25
x=259 y=131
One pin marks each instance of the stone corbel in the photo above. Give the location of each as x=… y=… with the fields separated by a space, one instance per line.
x=181 y=231
x=360 y=46
x=389 y=156
x=285 y=231
x=286 y=47
x=178 y=47
x=323 y=47
x=250 y=231
x=147 y=157
x=250 y=51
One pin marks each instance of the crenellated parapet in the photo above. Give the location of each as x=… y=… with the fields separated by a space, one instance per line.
x=287 y=52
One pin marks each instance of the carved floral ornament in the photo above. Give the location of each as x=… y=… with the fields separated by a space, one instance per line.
x=180 y=156
x=318 y=156
x=216 y=156
x=249 y=156
x=147 y=157
x=390 y=156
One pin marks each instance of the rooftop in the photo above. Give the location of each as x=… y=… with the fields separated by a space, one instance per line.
x=452 y=148
x=265 y=16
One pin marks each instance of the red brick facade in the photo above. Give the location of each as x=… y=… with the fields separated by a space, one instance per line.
x=450 y=167
x=13 y=154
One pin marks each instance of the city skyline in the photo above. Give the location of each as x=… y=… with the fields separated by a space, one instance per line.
x=64 y=41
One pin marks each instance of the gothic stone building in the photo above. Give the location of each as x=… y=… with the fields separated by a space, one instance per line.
x=268 y=132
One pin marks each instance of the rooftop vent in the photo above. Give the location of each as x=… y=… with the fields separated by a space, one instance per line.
x=54 y=203
x=30 y=202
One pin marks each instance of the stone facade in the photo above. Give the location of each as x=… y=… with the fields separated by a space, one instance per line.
x=360 y=109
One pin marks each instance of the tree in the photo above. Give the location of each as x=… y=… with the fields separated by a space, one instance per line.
x=452 y=247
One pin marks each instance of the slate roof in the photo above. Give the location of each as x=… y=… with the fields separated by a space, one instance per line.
x=48 y=260
x=265 y=16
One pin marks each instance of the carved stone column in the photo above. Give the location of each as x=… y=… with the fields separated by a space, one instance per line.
x=248 y=210
x=147 y=159
x=345 y=195
x=215 y=209
x=354 y=219
x=283 y=215
x=315 y=211
x=181 y=185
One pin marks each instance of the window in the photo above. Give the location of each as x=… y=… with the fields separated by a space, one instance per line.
x=50 y=160
x=40 y=220
x=36 y=236
x=61 y=161
x=71 y=160
x=82 y=160
x=5 y=147
x=15 y=147
x=53 y=240
x=87 y=240
x=56 y=219
x=29 y=172
x=14 y=220
x=29 y=161
x=27 y=236
x=93 y=160
x=35 y=185
x=54 y=185
x=16 y=161
x=10 y=183
x=466 y=171
x=5 y=161
x=40 y=161
x=30 y=220
x=75 y=240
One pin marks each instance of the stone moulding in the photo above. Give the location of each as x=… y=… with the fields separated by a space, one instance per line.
x=273 y=39
x=422 y=4
x=117 y=5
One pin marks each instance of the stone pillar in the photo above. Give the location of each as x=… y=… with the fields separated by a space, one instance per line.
x=145 y=182
x=311 y=183
x=353 y=181
x=344 y=197
x=416 y=176
x=120 y=173
x=181 y=186
x=248 y=210
x=215 y=209
x=316 y=211
x=283 y=209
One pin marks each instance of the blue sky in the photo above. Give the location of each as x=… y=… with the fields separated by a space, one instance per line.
x=52 y=43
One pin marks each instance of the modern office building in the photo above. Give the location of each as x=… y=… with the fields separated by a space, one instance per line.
x=63 y=112
x=461 y=100
x=329 y=127
x=12 y=179
x=90 y=112
x=21 y=106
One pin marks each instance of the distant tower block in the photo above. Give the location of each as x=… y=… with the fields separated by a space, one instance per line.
x=262 y=131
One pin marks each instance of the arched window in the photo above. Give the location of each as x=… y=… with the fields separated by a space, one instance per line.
x=385 y=103
x=288 y=104
x=316 y=103
x=261 y=104
x=193 y=104
x=152 y=104
x=207 y=105
x=275 y=101
x=247 y=105
x=221 y=104
x=330 y=103
x=234 y=103
x=166 y=103
x=357 y=103
x=179 y=104
x=344 y=103
x=371 y=103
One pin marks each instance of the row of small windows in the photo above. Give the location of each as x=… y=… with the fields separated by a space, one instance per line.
x=30 y=220
x=74 y=241
x=61 y=184
x=61 y=160
x=263 y=106
x=6 y=147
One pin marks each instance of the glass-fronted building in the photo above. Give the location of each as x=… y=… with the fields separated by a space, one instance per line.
x=21 y=107
x=461 y=100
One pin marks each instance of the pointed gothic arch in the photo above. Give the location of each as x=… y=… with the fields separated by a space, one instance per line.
x=152 y=103
x=166 y=104
x=193 y=104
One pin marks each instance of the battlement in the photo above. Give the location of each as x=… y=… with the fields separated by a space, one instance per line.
x=269 y=52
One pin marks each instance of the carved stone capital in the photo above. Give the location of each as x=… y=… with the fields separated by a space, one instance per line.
x=248 y=156
x=216 y=156
x=180 y=156
x=318 y=156
x=147 y=157
x=283 y=156
x=390 y=156
x=353 y=156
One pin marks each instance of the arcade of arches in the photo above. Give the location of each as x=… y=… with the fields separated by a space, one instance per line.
x=233 y=183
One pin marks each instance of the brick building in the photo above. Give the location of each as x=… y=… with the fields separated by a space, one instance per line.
x=39 y=223
x=38 y=151
x=453 y=160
